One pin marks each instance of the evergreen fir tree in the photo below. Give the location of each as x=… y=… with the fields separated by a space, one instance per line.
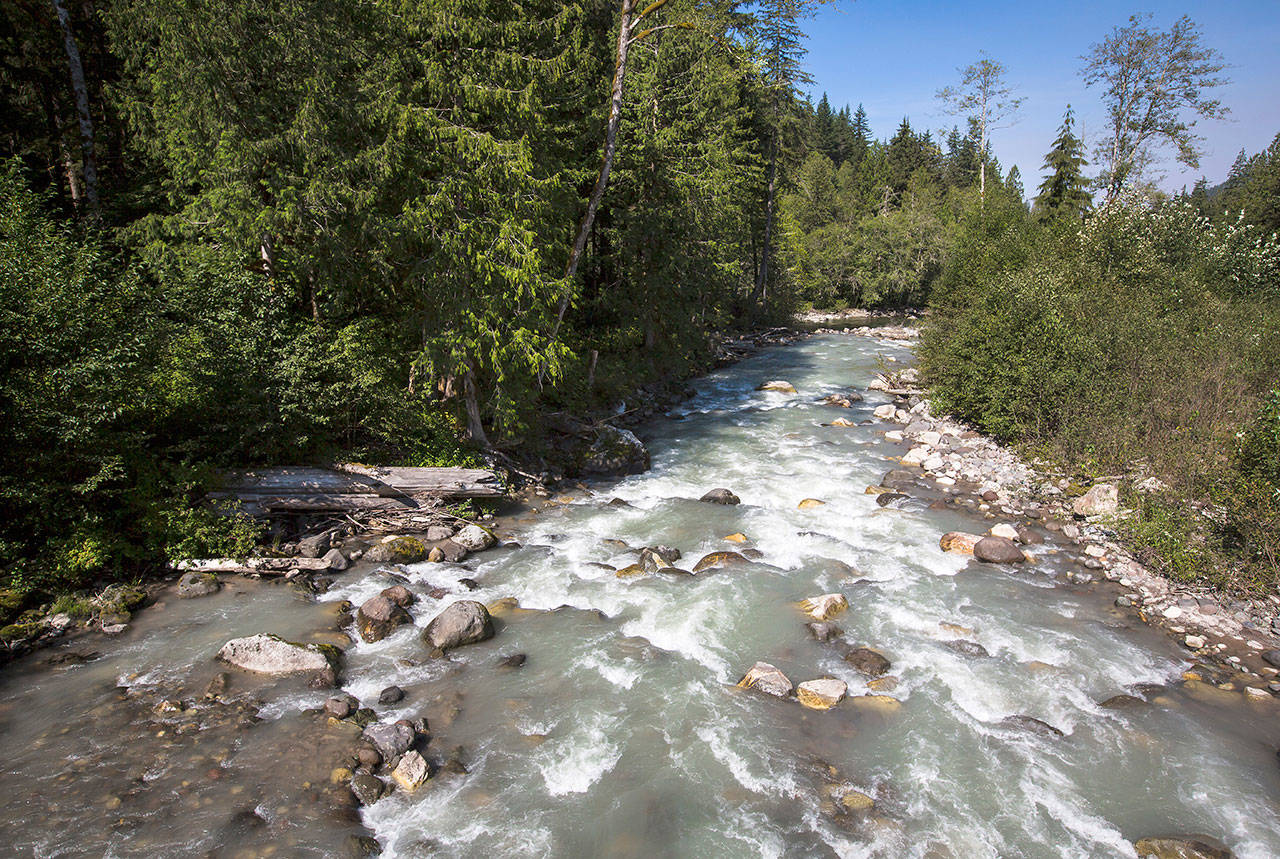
x=1064 y=193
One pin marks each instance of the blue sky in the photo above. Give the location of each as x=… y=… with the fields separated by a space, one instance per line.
x=893 y=55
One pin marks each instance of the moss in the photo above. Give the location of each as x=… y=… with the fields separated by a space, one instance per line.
x=77 y=607
x=11 y=603
x=19 y=631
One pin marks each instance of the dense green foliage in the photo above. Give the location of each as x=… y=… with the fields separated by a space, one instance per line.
x=1143 y=342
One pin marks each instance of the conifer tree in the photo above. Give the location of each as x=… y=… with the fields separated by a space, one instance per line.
x=1064 y=193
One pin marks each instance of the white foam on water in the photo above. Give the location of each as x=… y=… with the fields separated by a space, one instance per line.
x=572 y=764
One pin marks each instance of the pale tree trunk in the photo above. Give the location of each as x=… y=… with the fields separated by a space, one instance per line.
x=610 y=147
x=762 y=274
x=982 y=157
x=89 y=165
x=475 y=427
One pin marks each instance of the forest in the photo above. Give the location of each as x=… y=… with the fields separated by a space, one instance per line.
x=409 y=231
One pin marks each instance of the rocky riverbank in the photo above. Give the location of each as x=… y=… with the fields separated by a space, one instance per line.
x=1238 y=641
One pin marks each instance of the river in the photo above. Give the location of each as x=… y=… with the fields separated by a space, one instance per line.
x=623 y=733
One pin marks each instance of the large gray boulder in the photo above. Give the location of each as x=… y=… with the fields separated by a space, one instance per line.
x=463 y=622
x=271 y=654
x=391 y=741
x=720 y=496
x=401 y=550
x=615 y=451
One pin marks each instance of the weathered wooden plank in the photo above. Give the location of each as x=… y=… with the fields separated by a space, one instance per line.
x=252 y=565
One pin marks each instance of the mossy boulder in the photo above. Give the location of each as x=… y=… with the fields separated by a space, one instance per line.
x=401 y=550
x=20 y=631
x=117 y=603
x=11 y=603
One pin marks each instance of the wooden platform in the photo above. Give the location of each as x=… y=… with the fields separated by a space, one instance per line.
x=350 y=488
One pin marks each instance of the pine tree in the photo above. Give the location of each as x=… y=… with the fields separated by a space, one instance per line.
x=860 y=141
x=1064 y=193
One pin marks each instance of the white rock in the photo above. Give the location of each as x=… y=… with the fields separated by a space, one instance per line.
x=885 y=412
x=1256 y=645
x=1195 y=642
x=1101 y=500
x=270 y=654
x=767 y=679
x=821 y=694
x=930 y=438
x=1094 y=551
x=915 y=456
x=893 y=435
x=1173 y=612
x=474 y=538
x=412 y=771
x=824 y=607
x=934 y=463
x=946 y=481
x=1005 y=530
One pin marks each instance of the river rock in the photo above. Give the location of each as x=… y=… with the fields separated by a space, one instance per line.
x=615 y=451
x=720 y=496
x=1272 y=657
x=968 y=648
x=1033 y=725
x=391 y=740
x=867 y=661
x=821 y=694
x=824 y=632
x=1103 y=499
x=378 y=617
x=844 y=401
x=271 y=654
x=398 y=550
x=1004 y=530
x=195 y=584
x=336 y=561
x=891 y=499
x=341 y=706
x=463 y=622
x=778 y=386
x=767 y=679
x=898 y=479
x=1122 y=702
x=998 y=550
x=959 y=543
x=825 y=606
x=316 y=545
x=669 y=554
x=390 y=695
x=881 y=705
x=473 y=538
x=515 y=660
x=400 y=595
x=651 y=561
x=885 y=412
x=412 y=771
x=719 y=559
x=810 y=503
x=1182 y=847
x=368 y=789
x=843 y=423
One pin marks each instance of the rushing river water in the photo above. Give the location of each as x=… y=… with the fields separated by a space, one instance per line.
x=623 y=734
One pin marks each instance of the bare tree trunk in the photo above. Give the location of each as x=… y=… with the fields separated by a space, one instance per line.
x=89 y=163
x=268 y=254
x=610 y=147
x=762 y=273
x=475 y=428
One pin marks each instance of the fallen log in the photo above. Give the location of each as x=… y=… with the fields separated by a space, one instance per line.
x=350 y=488
x=264 y=566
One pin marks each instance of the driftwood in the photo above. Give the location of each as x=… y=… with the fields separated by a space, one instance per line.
x=263 y=566
x=354 y=489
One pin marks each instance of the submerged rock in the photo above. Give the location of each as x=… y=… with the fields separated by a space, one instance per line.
x=1033 y=725
x=1182 y=847
x=390 y=695
x=824 y=632
x=718 y=559
x=720 y=496
x=271 y=654
x=767 y=679
x=968 y=648
x=810 y=503
x=778 y=386
x=368 y=789
x=463 y=622
x=821 y=694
